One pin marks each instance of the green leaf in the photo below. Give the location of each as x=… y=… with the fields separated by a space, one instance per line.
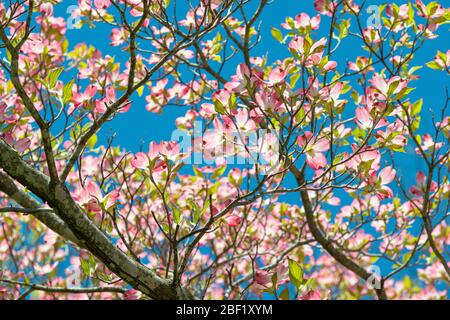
x=176 y=215
x=219 y=107
x=295 y=273
x=52 y=77
x=343 y=28
x=415 y=124
x=433 y=65
x=432 y=7
x=416 y=107
x=202 y=212
x=406 y=257
x=410 y=13
x=442 y=55
x=392 y=87
x=165 y=227
x=67 y=92
x=198 y=173
x=274 y=280
x=269 y=290
x=196 y=212
x=277 y=34
x=407 y=283
x=294 y=79
x=92 y=141
x=403 y=93
x=217 y=58
x=85 y=267
x=359 y=133
x=419 y=139
x=218 y=172
x=140 y=91
x=233 y=102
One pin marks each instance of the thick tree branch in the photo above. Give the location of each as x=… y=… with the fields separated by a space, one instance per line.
x=50 y=219
x=134 y=273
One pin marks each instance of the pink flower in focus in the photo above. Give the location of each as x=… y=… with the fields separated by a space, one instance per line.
x=276 y=75
x=303 y=20
x=82 y=98
x=140 y=161
x=313 y=149
x=92 y=197
x=385 y=177
x=364 y=120
x=392 y=86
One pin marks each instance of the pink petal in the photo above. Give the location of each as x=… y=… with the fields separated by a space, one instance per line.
x=111 y=94
x=303 y=19
x=277 y=75
x=90 y=91
x=363 y=119
x=321 y=145
x=100 y=106
x=316 y=160
x=113 y=196
x=297 y=44
x=386 y=175
x=304 y=139
x=336 y=90
x=140 y=161
x=22 y=145
x=223 y=96
x=421 y=178
x=315 y=21
x=379 y=83
x=318 y=44
x=415 y=191
x=334 y=201
x=384 y=193
x=131 y=294
x=233 y=220
x=330 y=65
x=94 y=190
x=242 y=71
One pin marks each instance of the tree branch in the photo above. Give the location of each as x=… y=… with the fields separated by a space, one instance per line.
x=134 y=273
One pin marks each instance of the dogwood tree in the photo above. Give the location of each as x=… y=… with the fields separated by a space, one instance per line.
x=210 y=214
